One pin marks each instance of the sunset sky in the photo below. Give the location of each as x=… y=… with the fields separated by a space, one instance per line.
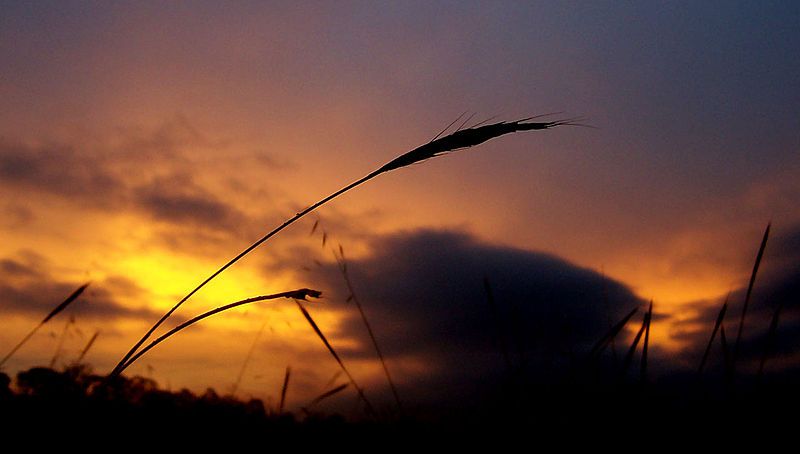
x=144 y=144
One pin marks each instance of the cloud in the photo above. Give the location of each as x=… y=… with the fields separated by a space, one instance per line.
x=28 y=287
x=56 y=169
x=178 y=200
x=149 y=172
x=423 y=292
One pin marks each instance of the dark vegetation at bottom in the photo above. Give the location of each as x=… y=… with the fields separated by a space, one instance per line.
x=75 y=401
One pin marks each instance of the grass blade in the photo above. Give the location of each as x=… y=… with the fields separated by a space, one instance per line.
x=726 y=354
x=717 y=324
x=747 y=297
x=343 y=268
x=327 y=394
x=649 y=317
x=611 y=334
x=87 y=347
x=458 y=140
x=333 y=353
x=284 y=388
x=634 y=344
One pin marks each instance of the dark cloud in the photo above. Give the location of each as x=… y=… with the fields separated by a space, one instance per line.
x=150 y=172
x=178 y=200
x=423 y=292
x=56 y=169
x=28 y=287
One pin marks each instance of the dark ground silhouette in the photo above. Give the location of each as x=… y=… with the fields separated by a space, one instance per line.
x=572 y=411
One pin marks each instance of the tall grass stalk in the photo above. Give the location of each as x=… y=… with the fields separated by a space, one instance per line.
x=294 y=294
x=63 y=305
x=460 y=139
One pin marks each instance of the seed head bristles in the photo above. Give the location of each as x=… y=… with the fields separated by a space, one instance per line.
x=333 y=353
x=461 y=126
x=70 y=299
x=300 y=294
x=461 y=139
x=448 y=126
x=717 y=324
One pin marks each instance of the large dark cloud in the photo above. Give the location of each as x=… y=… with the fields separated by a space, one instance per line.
x=27 y=286
x=423 y=292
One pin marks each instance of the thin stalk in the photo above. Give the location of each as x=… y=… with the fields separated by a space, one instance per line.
x=87 y=347
x=327 y=394
x=61 y=338
x=354 y=297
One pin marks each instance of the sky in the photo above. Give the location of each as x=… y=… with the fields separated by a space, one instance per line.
x=143 y=145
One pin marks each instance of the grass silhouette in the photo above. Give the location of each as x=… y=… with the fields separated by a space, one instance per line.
x=460 y=139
